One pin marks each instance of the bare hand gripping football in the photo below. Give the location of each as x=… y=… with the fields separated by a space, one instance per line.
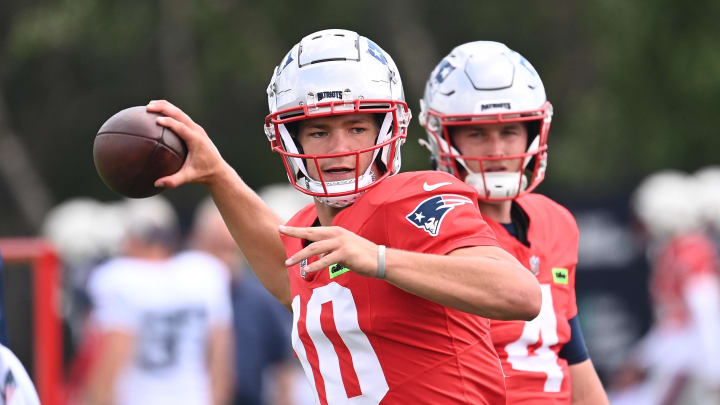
x=131 y=151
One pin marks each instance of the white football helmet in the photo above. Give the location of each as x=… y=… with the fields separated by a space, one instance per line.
x=85 y=231
x=151 y=219
x=709 y=182
x=485 y=82
x=335 y=72
x=667 y=204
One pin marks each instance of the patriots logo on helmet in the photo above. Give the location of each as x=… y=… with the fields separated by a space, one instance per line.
x=376 y=52
x=429 y=214
x=288 y=60
x=524 y=62
x=443 y=71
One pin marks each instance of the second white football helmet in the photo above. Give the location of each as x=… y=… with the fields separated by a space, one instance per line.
x=666 y=203
x=335 y=72
x=485 y=82
x=708 y=179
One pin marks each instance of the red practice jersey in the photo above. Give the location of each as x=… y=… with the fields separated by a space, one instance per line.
x=364 y=341
x=529 y=350
x=684 y=259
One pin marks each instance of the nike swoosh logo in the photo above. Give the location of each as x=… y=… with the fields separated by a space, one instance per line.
x=431 y=187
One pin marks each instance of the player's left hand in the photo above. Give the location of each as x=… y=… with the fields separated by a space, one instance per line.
x=333 y=244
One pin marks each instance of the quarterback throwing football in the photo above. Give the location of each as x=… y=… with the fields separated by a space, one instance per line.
x=385 y=273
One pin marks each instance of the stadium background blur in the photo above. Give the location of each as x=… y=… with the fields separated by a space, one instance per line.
x=633 y=85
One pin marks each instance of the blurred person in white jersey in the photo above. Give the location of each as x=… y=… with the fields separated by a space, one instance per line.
x=678 y=360
x=163 y=319
x=264 y=367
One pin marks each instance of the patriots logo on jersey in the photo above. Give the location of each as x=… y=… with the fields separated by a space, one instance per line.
x=429 y=214
x=376 y=52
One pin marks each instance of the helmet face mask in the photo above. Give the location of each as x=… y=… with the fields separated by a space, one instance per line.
x=483 y=83
x=332 y=73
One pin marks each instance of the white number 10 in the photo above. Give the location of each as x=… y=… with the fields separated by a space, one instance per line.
x=364 y=360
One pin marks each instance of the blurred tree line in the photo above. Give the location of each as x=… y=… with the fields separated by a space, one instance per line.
x=634 y=84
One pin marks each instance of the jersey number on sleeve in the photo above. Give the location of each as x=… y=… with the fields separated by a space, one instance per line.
x=364 y=361
x=544 y=359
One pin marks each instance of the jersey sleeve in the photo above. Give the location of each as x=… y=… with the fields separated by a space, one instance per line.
x=575 y=351
x=437 y=221
x=572 y=309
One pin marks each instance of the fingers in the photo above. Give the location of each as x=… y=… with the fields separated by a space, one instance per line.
x=166 y=108
x=323 y=263
x=172 y=181
x=178 y=127
x=325 y=250
x=333 y=244
x=326 y=245
x=312 y=233
x=320 y=249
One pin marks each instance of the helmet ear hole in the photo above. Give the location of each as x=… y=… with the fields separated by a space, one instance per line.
x=531 y=163
x=293 y=127
x=380 y=164
x=533 y=130
x=379 y=119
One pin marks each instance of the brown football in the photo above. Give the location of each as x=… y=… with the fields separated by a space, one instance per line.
x=131 y=151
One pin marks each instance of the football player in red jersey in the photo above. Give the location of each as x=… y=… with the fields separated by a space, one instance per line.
x=487 y=119
x=385 y=273
x=676 y=362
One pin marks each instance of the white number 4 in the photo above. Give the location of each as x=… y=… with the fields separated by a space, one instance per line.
x=544 y=359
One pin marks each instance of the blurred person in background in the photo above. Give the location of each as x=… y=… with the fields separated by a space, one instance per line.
x=709 y=183
x=85 y=232
x=163 y=320
x=487 y=120
x=264 y=367
x=678 y=360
